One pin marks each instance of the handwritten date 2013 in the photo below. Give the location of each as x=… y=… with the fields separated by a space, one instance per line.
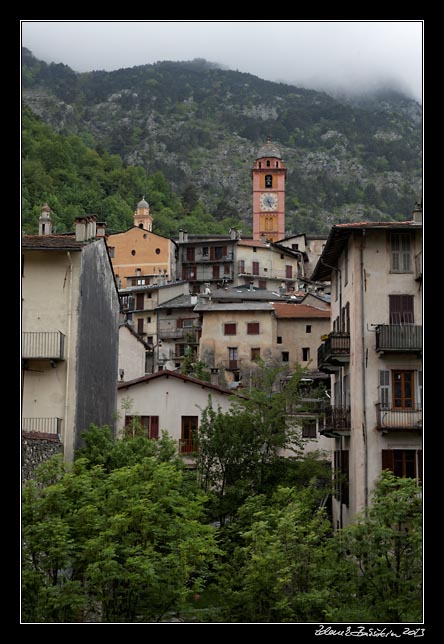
x=362 y=631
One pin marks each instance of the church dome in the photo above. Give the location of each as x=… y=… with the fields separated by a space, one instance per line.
x=143 y=204
x=269 y=150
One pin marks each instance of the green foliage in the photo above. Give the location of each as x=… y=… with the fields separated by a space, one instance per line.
x=378 y=560
x=276 y=573
x=116 y=541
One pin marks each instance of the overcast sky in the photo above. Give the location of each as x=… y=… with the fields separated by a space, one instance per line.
x=315 y=54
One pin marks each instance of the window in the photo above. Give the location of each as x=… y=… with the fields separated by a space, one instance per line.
x=149 y=295
x=309 y=429
x=255 y=353
x=255 y=268
x=189 y=425
x=401 y=309
x=216 y=272
x=262 y=283
x=268 y=164
x=254 y=249
x=341 y=476
x=111 y=251
x=285 y=356
x=268 y=180
x=252 y=328
x=157 y=251
x=305 y=354
x=179 y=350
x=402 y=389
x=140 y=326
x=205 y=251
x=288 y=271
x=148 y=319
x=241 y=265
x=279 y=339
x=400 y=253
x=190 y=254
x=150 y=425
x=405 y=463
x=150 y=339
x=188 y=323
x=141 y=281
x=295 y=247
x=139 y=301
x=308 y=328
x=397 y=388
x=226 y=269
x=217 y=252
x=232 y=357
x=230 y=328
x=133 y=252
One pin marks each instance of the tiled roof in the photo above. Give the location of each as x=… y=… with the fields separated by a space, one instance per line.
x=252 y=242
x=51 y=242
x=284 y=310
x=172 y=374
x=234 y=306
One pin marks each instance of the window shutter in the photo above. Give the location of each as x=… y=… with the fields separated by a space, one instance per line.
x=405 y=253
x=154 y=427
x=387 y=459
x=179 y=324
x=407 y=309
x=395 y=309
x=384 y=387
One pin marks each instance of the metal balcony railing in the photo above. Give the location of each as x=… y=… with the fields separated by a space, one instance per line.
x=337 y=419
x=51 y=426
x=335 y=350
x=399 y=337
x=187 y=446
x=43 y=345
x=390 y=418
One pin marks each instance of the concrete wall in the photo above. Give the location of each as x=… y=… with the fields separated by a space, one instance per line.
x=50 y=301
x=295 y=337
x=131 y=355
x=97 y=341
x=272 y=268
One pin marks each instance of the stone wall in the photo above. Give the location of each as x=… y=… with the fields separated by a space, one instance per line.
x=37 y=448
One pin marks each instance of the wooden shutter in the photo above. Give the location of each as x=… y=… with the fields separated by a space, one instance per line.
x=216 y=272
x=401 y=309
x=288 y=271
x=255 y=268
x=384 y=388
x=387 y=459
x=139 y=301
x=154 y=427
x=405 y=253
x=179 y=323
x=140 y=326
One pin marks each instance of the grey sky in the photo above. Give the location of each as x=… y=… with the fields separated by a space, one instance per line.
x=317 y=54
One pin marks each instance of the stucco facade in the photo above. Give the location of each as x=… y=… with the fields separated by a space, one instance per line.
x=132 y=354
x=70 y=314
x=267 y=266
x=374 y=355
x=173 y=400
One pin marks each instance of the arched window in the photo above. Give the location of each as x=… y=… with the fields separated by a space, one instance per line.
x=268 y=164
x=268 y=181
x=277 y=164
x=260 y=164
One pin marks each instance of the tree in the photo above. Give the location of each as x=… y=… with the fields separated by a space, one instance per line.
x=241 y=449
x=276 y=572
x=377 y=572
x=115 y=537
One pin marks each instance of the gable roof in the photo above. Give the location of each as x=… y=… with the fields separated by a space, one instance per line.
x=52 y=242
x=285 y=310
x=234 y=306
x=173 y=374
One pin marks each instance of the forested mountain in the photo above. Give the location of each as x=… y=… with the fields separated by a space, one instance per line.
x=185 y=134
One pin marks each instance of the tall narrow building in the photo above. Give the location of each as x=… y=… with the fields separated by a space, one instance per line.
x=269 y=174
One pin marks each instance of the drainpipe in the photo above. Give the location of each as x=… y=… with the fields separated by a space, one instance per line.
x=364 y=366
x=67 y=349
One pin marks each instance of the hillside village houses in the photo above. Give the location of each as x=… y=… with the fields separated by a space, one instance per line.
x=229 y=301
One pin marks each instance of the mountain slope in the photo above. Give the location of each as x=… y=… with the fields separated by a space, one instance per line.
x=201 y=126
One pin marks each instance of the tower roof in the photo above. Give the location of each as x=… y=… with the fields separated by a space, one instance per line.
x=46 y=208
x=269 y=150
x=143 y=203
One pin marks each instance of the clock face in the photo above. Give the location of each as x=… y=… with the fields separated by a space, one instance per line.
x=268 y=201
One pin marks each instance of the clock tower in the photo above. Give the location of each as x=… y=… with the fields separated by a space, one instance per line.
x=268 y=174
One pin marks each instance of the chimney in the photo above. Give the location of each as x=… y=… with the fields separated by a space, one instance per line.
x=417 y=212
x=185 y=235
x=101 y=229
x=193 y=299
x=80 y=223
x=251 y=287
x=91 y=227
x=45 y=223
x=214 y=377
x=180 y=236
x=86 y=227
x=233 y=233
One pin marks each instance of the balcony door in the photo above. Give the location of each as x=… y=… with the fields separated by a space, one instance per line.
x=401 y=309
x=403 y=390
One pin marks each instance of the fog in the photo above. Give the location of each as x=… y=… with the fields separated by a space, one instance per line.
x=349 y=56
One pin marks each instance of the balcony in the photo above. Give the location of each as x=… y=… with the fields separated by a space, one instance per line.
x=49 y=426
x=187 y=446
x=399 y=338
x=393 y=419
x=43 y=345
x=334 y=352
x=337 y=422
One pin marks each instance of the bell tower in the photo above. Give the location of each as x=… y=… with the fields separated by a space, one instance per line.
x=269 y=174
x=45 y=223
x=142 y=217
